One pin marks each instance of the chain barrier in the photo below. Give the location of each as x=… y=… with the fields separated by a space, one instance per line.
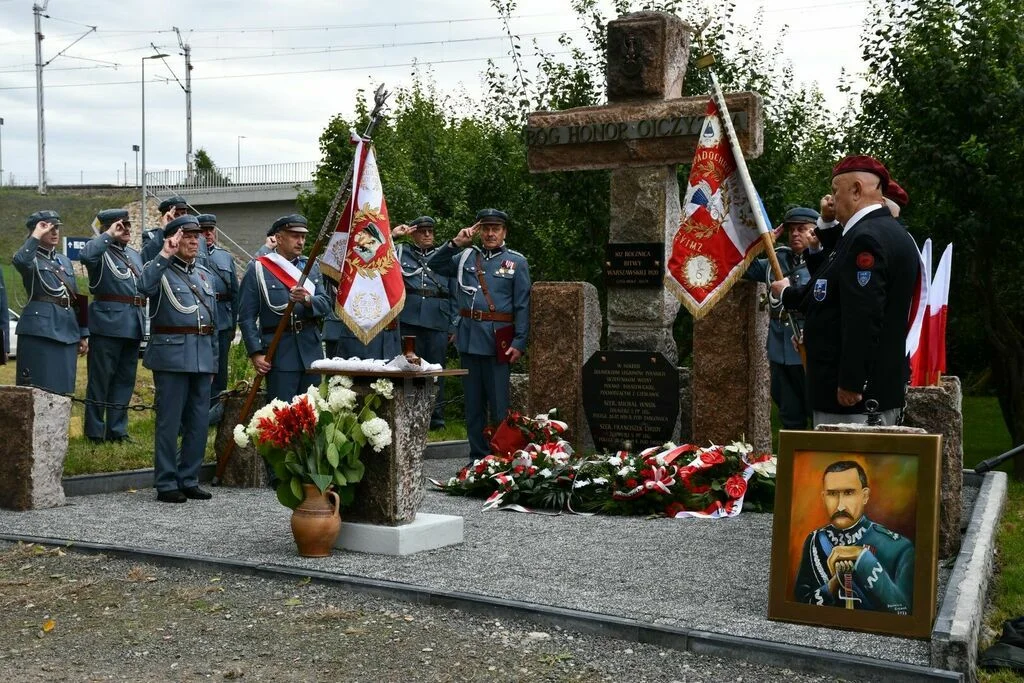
x=241 y=388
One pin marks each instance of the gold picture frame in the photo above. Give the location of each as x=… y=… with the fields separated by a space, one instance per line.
x=855 y=536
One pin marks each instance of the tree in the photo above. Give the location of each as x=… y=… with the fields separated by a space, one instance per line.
x=944 y=105
x=207 y=172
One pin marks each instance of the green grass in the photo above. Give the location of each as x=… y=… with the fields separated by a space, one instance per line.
x=1007 y=590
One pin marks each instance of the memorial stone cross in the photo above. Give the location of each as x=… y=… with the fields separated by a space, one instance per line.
x=644 y=131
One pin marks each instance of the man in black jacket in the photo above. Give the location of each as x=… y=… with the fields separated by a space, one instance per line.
x=858 y=303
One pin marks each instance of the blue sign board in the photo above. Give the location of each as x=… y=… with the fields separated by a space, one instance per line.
x=74 y=245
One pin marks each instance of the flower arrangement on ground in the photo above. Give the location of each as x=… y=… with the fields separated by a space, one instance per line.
x=673 y=481
x=317 y=437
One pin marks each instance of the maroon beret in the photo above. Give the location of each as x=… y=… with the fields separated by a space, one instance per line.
x=864 y=163
x=897 y=194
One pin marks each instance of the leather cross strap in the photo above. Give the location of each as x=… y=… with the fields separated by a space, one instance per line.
x=483 y=284
x=492 y=316
x=170 y=329
x=120 y=256
x=139 y=301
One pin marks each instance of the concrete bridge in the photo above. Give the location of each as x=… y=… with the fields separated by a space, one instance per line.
x=246 y=199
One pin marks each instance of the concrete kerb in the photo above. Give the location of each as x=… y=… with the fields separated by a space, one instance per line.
x=813 y=660
x=954 y=642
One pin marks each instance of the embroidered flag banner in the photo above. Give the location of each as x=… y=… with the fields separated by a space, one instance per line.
x=718 y=236
x=360 y=256
x=917 y=340
x=285 y=271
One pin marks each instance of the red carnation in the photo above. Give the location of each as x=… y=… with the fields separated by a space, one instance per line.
x=735 y=486
x=518 y=469
x=631 y=483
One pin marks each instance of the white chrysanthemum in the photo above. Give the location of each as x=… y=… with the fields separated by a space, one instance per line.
x=378 y=432
x=266 y=411
x=341 y=398
x=241 y=436
x=626 y=471
x=615 y=461
x=339 y=381
x=384 y=387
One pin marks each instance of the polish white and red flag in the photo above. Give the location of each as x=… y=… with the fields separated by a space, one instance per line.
x=929 y=362
x=360 y=256
x=917 y=340
x=718 y=235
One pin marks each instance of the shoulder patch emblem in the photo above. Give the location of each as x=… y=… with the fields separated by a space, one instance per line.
x=865 y=260
x=863 y=277
x=820 y=289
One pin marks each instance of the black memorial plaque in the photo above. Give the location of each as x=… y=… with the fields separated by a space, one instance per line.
x=630 y=396
x=634 y=265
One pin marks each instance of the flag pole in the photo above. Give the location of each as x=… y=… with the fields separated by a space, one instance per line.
x=706 y=62
x=326 y=230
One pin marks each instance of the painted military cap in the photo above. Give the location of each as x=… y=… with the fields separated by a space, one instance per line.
x=422 y=222
x=108 y=217
x=865 y=164
x=897 y=194
x=293 y=222
x=187 y=223
x=48 y=216
x=491 y=216
x=207 y=220
x=175 y=202
x=801 y=214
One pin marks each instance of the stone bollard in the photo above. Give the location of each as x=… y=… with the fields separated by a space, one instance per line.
x=938 y=410
x=246 y=469
x=33 y=447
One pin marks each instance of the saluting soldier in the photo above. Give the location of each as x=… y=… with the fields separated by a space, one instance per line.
x=170 y=208
x=788 y=388
x=115 y=325
x=49 y=329
x=225 y=281
x=269 y=244
x=427 y=314
x=493 y=299
x=182 y=353
x=269 y=283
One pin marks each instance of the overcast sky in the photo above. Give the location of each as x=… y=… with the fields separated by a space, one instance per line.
x=275 y=72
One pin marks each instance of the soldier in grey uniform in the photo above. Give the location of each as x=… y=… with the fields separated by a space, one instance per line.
x=170 y=208
x=222 y=265
x=115 y=325
x=427 y=314
x=788 y=387
x=262 y=299
x=182 y=353
x=49 y=332
x=269 y=244
x=853 y=562
x=493 y=301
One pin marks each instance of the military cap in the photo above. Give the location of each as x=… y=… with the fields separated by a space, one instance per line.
x=187 y=223
x=293 y=222
x=865 y=164
x=207 y=220
x=897 y=194
x=492 y=216
x=48 y=216
x=108 y=217
x=800 y=214
x=422 y=222
x=177 y=201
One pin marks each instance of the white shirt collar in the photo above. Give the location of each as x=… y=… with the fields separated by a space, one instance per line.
x=857 y=216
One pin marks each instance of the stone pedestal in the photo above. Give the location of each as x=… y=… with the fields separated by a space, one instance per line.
x=644 y=208
x=729 y=377
x=850 y=427
x=565 y=330
x=425 y=532
x=938 y=410
x=33 y=444
x=685 y=407
x=519 y=391
x=246 y=468
x=392 y=487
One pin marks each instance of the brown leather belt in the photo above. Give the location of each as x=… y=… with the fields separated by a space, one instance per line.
x=487 y=315
x=225 y=296
x=62 y=301
x=139 y=301
x=296 y=326
x=167 y=329
x=427 y=293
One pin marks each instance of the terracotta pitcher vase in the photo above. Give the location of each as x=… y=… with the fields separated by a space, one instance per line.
x=316 y=522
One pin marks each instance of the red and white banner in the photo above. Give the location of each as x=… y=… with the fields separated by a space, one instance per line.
x=916 y=339
x=360 y=256
x=928 y=361
x=718 y=235
x=285 y=271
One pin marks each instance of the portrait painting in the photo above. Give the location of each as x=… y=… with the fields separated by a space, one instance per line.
x=856 y=531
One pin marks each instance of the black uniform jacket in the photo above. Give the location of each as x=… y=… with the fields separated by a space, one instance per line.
x=856 y=308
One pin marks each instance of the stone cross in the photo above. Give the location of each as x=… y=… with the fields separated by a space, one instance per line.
x=644 y=131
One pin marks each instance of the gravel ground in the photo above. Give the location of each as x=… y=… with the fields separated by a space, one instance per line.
x=66 y=616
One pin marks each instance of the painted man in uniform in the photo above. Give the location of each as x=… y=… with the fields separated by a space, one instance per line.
x=493 y=300
x=116 y=325
x=50 y=336
x=182 y=353
x=852 y=561
x=220 y=262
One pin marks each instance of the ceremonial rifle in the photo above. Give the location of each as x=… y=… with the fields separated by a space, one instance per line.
x=706 y=62
x=326 y=230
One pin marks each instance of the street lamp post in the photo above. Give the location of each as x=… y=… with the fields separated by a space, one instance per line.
x=142 y=207
x=135 y=148
x=1 y=151
x=238 y=157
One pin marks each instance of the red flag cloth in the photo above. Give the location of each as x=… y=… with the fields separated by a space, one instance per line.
x=938 y=302
x=718 y=236
x=917 y=329
x=360 y=256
